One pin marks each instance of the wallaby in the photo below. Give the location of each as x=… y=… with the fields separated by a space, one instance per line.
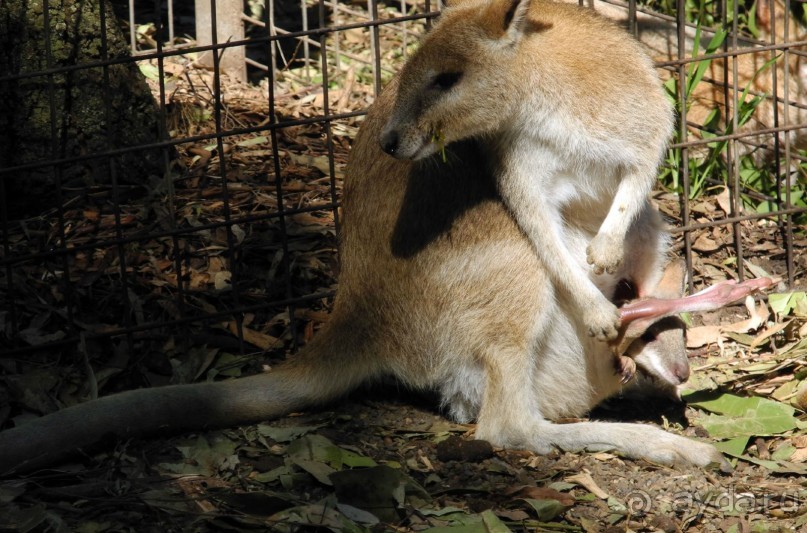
x=440 y=287
x=575 y=118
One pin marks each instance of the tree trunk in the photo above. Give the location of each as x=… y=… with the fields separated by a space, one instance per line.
x=69 y=114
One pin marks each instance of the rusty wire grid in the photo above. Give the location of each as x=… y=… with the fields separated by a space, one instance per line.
x=232 y=246
x=777 y=137
x=232 y=243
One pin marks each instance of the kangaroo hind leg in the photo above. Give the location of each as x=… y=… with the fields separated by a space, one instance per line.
x=509 y=413
x=637 y=441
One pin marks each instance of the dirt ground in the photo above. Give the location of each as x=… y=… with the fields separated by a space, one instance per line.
x=413 y=476
x=384 y=459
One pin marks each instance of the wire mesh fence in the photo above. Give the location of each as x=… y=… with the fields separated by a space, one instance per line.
x=154 y=203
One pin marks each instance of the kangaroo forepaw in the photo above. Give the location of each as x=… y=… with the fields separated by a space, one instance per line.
x=605 y=253
x=602 y=321
x=625 y=367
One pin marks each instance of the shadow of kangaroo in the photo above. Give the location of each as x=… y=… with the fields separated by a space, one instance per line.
x=441 y=289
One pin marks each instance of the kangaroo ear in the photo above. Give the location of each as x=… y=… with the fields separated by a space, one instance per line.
x=450 y=3
x=673 y=281
x=507 y=19
x=515 y=19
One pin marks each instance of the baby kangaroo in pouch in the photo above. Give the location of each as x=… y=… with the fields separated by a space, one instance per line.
x=471 y=277
x=574 y=115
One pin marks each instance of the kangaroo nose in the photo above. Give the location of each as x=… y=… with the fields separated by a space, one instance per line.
x=389 y=142
x=681 y=372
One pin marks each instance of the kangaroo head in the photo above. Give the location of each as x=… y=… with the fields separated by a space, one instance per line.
x=457 y=85
x=660 y=352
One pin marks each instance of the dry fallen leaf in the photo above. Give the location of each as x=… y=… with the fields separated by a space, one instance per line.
x=769 y=332
x=724 y=201
x=222 y=280
x=539 y=493
x=799 y=441
x=703 y=335
x=759 y=315
x=704 y=243
x=799 y=456
x=801 y=397
x=585 y=480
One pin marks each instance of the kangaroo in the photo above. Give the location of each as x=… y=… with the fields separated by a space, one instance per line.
x=441 y=289
x=575 y=118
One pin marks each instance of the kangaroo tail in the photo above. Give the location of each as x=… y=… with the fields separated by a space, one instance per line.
x=330 y=366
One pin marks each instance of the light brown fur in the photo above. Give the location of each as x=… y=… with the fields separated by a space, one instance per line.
x=575 y=119
x=440 y=289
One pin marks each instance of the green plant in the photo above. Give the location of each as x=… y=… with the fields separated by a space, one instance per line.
x=708 y=168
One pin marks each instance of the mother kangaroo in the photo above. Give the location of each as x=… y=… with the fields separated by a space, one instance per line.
x=441 y=289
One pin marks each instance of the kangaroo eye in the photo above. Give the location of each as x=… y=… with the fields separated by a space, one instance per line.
x=649 y=336
x=446 y=80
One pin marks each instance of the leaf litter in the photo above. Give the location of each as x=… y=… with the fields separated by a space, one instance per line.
x=374 y=464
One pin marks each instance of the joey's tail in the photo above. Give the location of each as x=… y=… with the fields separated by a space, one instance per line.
x=332 y=365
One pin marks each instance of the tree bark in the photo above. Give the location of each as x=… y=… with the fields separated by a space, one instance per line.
x=68 y=114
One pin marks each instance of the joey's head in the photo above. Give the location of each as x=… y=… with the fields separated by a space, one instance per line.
x=459 y=83
x=660 y=351
x=661 y=356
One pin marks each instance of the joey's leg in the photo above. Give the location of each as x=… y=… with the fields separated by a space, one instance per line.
x=537 y=213
x=625 y=367
x=638 y=441
x=646 y=246
x=606 y=251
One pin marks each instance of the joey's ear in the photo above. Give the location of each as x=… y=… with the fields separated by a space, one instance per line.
x=673 y=281
x=507 y=19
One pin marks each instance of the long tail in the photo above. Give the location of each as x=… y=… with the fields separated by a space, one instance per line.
x=324 y=370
